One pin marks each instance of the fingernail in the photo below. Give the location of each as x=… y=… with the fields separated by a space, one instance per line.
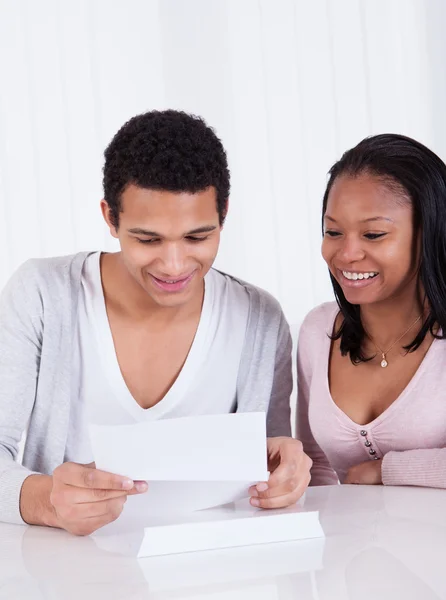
x=262 y=487
x=141 y=486
x=127 y=484
x=255 y=502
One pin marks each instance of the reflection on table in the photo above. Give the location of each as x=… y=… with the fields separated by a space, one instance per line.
x=380 y=542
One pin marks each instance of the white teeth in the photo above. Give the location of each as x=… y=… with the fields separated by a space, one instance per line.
x=354 y=276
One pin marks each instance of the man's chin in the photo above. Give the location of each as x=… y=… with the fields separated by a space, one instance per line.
x=171 y=299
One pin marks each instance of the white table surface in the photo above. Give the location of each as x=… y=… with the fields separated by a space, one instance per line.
x=381 y=543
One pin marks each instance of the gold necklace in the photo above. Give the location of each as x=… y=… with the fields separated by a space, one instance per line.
x=383 y=353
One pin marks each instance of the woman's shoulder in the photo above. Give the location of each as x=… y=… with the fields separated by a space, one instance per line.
x=314 y=336
x=320 y=320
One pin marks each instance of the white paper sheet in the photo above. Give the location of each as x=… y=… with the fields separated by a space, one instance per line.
x=237 y=524
x=190 y=463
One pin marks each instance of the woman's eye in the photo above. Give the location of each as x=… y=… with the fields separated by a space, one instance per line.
x=374 y=236
x=332 y=233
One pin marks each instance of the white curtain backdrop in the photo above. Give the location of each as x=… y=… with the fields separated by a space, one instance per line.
x=288 y=85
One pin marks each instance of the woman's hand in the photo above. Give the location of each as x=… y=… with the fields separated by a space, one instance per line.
x=366 y=473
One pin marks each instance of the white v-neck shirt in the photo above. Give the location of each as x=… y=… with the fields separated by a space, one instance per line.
x=206 y=383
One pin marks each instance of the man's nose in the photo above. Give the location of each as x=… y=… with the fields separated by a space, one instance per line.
x=173 y=259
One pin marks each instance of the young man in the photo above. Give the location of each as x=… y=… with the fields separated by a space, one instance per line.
x=149 y=332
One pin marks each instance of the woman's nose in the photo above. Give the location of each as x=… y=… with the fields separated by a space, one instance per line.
x=351 y=251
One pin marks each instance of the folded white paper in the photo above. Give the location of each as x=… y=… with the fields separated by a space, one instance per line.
x=237 y=524
x=190 y=463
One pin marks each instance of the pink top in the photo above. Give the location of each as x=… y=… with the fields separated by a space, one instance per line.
x=410 y=435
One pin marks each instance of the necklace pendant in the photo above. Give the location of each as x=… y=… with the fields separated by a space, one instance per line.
x=384 y=363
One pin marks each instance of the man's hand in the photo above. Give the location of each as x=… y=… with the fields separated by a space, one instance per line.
x=366 y=473
x=86 y=499
x=289 y=469
x=80 y=497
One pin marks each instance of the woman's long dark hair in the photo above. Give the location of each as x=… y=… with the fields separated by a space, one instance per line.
x=420 y=176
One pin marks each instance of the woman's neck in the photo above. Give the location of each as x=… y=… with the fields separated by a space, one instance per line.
x=385 y=322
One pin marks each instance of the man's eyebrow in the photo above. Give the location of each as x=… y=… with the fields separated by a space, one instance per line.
x=205 y=229
x=140 y=231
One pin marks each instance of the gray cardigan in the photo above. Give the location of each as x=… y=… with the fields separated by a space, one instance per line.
x=38 y=317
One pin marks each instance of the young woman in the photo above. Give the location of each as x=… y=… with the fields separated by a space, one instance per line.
x=372 y=366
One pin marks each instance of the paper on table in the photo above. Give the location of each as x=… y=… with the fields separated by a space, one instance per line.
x=236 y=524
x=191 y=463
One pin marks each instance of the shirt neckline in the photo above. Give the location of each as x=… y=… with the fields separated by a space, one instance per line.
x=398 y=400
x=109 y=358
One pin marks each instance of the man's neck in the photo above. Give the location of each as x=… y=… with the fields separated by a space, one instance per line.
x=126 y=296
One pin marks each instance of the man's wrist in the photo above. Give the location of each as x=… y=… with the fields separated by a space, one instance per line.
x=35 y=504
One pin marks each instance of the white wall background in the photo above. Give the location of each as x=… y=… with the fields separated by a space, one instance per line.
x=288 y=85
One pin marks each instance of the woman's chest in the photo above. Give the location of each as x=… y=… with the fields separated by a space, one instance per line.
x=367 y=390
x=417 y=421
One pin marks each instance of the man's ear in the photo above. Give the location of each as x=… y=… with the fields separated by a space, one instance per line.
x=106 y=213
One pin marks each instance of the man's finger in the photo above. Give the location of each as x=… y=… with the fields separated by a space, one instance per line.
x=76 y=495
x=274 y=491
x=111 y=507
x=286 y=478
x=279 y=502
x=88 y=525
x=284 y=500
x=287 y=469
x=86 y=477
